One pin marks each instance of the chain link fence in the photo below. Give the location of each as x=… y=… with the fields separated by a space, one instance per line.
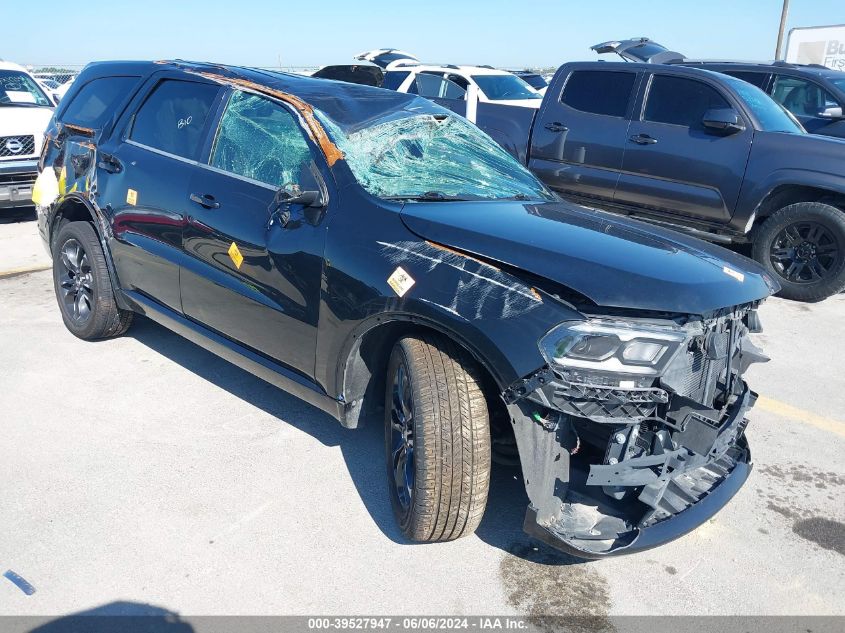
x=54 y=75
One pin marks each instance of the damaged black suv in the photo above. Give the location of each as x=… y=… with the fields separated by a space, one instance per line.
x=363 y=248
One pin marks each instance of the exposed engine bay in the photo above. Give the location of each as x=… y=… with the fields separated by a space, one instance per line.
x=633 y=434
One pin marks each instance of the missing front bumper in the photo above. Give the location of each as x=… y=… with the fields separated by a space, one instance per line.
x=648 y=537
x=665 y=495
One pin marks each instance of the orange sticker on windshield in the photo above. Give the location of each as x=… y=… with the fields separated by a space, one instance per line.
x=235 y=254
x=131 y=197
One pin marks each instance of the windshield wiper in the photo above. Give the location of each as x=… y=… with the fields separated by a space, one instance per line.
x=432 y=196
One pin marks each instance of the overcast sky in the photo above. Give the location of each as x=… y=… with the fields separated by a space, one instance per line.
x=318 y=32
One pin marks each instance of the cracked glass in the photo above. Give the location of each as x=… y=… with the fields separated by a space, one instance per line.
x=430 y=155
x=261 y=140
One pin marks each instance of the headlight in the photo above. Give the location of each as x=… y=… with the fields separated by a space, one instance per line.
x=612 y=346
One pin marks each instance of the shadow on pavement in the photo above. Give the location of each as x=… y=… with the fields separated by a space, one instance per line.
x=18 y=214
x=362 y=449
x=126 y=617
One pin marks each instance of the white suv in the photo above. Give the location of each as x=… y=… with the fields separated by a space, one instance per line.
x=453 y=82
x=456 y=87
x=25 y=110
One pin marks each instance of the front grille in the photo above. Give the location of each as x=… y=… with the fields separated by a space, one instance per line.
x=607 y=404
x=17 y=146
x=17 y=179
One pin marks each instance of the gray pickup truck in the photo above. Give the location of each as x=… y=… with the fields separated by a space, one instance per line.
x=702 y=151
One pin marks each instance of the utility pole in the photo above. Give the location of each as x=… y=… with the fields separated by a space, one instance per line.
x=783 y=16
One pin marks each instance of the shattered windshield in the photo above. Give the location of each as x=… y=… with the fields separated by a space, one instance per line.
x=19 y=89
x=433 y=156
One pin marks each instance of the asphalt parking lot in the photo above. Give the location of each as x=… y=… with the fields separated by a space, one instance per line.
x=145 y=471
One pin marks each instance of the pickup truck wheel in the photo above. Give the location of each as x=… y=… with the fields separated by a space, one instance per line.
x=803 y=246
x=437 y=439
x=83 y=286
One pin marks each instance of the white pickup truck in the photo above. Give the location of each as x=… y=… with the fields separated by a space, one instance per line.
x=25 y=110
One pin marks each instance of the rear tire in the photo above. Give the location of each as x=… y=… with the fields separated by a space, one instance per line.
x=803 y=246
x=83 y=285
x=437 y=439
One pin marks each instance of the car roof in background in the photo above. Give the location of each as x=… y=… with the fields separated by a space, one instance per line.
x=350 y=106
x=648 y=67
x=767 y=66
x=445 y=68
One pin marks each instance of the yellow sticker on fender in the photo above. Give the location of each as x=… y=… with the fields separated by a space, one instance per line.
x=400 y=281
x=131 y=197
x=235 y=254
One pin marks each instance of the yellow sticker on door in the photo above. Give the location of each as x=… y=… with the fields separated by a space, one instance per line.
x=235 y=254
x=131 y=197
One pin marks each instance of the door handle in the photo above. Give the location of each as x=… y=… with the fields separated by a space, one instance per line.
x=556 y=127
x=205 y=200
x=643 y=139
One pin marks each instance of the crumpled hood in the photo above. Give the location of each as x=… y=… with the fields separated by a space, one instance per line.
x=612 y=260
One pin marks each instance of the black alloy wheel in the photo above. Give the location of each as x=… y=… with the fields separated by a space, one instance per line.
x=436 y=437
x=83 y=285
x=805 y=252
x=76 y=282
x=802 y=246
x=402 y=437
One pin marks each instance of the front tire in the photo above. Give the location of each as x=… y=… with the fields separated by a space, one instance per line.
x=83 y=286
x=437 y=439
x=803 y=246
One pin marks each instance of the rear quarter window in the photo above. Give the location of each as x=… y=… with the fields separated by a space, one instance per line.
x=95 y=102
x=173 y=117
x=599 y=91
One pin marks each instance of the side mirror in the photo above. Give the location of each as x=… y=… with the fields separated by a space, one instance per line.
x=293 y=194
x=725 y=120
x=831 y=113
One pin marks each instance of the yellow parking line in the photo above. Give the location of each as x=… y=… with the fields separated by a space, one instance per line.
x=794 y=413
x=23 y=271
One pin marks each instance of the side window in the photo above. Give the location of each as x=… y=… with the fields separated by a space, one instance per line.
x=96 y=100
x=802 y=97
x=680 y=101
x=394 y=78
x=599 y=91
x=757 y=79
x=429 y=85
x=461 y=81
x=173 y=117
x=261 y=140
x=453 y=90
